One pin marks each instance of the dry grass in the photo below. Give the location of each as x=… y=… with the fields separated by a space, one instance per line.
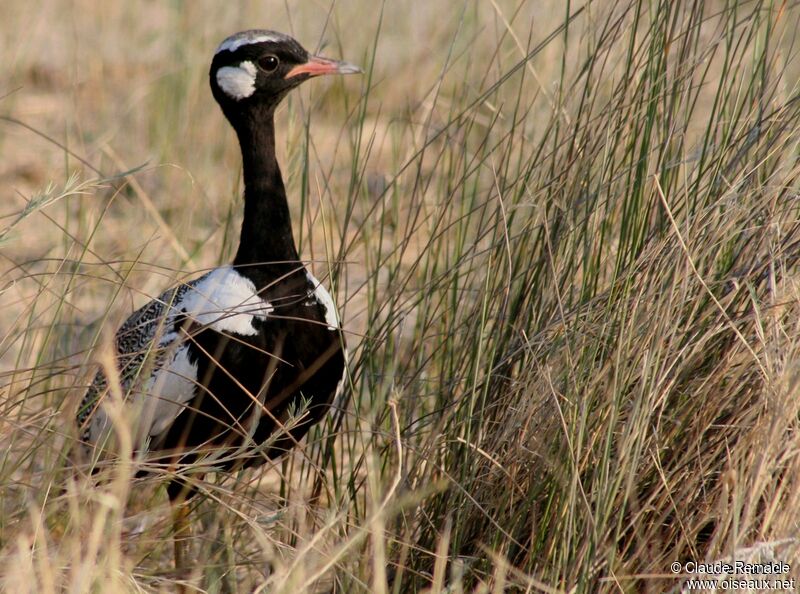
x=564 y=241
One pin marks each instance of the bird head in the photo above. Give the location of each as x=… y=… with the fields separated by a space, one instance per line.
x=256 y=68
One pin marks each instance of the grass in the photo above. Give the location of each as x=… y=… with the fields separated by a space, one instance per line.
x=563 y=238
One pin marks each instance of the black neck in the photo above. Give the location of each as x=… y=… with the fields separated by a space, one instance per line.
x=266 y=247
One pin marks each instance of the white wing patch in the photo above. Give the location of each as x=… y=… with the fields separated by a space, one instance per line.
x=226 y=301
x=324 y=298
x=167 y=393
x=236 y=41
x=238 y=82
x=156 y=406
x=223 y=300
x=338 y=397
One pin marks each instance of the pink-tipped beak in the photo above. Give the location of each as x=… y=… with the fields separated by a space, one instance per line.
x=317 y=66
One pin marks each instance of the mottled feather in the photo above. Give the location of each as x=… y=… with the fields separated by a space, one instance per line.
x=151 y=349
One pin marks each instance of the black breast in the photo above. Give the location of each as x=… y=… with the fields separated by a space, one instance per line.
x=259 y=394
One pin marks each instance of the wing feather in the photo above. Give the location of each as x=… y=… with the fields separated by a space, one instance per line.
x=157 y=374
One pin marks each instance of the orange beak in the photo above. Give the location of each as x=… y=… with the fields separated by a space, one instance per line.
x=318 y=65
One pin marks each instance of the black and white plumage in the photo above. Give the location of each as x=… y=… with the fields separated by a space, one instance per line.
x=216 y=366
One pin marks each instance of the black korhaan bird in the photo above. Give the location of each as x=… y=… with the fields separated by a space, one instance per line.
x=216 y=367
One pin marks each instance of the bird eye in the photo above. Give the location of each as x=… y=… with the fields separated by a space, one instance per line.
x=268 y=63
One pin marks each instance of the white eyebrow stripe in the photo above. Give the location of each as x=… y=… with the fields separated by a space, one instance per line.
x=234 y=42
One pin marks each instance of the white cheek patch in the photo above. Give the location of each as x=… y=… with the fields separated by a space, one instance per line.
x=238 y=82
